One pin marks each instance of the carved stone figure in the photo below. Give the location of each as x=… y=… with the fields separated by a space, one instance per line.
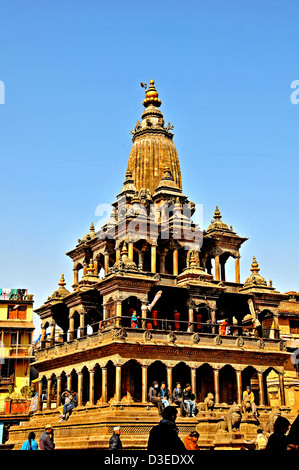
x=231 y=420
x=246 y=406
x=209 y=402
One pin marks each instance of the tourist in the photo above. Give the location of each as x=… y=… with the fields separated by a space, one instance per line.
x=164 y=438
x=261 y=440
x=189 y=402
x=154 y=397
x=134 y=319
x=70 y=403
x=177 y=396
x=46 y=440
x=293 y=436
x=114 y=441
x=190 y=441
x=249 y=395
x=31 y=443
x=277 y=442
x=165 y=394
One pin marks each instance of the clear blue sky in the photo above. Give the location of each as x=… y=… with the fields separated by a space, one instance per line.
x=72 y=73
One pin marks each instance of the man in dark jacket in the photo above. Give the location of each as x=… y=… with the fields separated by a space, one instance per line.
x=177 y=396
x=115 y=442
x=189 y=401
x=46 y=440
x=164 y=438
x=154 y=396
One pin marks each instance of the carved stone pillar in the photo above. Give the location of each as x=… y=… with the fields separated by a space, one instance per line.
x=76 y=276
x=144 y=383
x=118 y=382
x=82 y=324
x=118 y=312
x=261 y=388
x=106 y=263
x=169 y=378
x=96 y=267
x=49 y=387
x=281 y=389
x=217 y=270
x=80 y=388
x=43 y=336
x=175 y=261
x=52 y=332
x=131 y=250
x=216 y=386
x=237 y=269
x=213 y=319
x=104 y=385
x=193 y=380
x=153 y=259
x=58 y=392
x=239 y=386
x=71 y=328
x=91 y=387
x=39 y=396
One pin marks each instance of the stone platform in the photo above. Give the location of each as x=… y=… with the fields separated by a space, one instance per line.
x=90 y=427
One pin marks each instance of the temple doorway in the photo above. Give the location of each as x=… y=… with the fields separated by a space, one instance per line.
x=204 y=382
x=132 y=380
x=228 y=385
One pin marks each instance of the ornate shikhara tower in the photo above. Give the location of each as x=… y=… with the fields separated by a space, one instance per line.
x=152 y=259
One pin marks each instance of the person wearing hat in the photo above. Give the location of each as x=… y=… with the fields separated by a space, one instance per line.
x=248 y=394
x=114 y=441
x=46 y=440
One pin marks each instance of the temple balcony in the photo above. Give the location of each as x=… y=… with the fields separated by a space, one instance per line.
x=207 y=338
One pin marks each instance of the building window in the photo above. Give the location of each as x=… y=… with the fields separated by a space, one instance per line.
x=294 y=327
x=17 y=312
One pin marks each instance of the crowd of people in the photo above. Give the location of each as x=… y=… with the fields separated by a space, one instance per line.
x=161 y=397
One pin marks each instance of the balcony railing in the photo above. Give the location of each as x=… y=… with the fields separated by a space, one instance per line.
x=186 y=332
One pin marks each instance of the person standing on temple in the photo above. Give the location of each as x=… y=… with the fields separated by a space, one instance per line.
x=154 y=397
x=114 y=441
x=189 y=402
x=177 y=396
x=46 y=440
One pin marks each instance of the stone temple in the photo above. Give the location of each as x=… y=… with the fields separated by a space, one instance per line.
x=194 y=324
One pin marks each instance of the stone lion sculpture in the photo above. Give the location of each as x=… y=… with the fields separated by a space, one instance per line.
x=231 y=421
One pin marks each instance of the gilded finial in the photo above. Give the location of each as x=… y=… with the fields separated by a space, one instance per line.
x=90 y=268
x=217 y=213
x=124 y=250
x=62 y=282
x=151 y=95
x=254 y=266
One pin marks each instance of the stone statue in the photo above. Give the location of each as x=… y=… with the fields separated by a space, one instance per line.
x=231 y=421
x=209 y=402
x=246 y=406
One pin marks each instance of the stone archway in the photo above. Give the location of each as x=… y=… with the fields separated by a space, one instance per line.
x=228 y=385
x=131 y=386
x=204 y=382
x=181 y=373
